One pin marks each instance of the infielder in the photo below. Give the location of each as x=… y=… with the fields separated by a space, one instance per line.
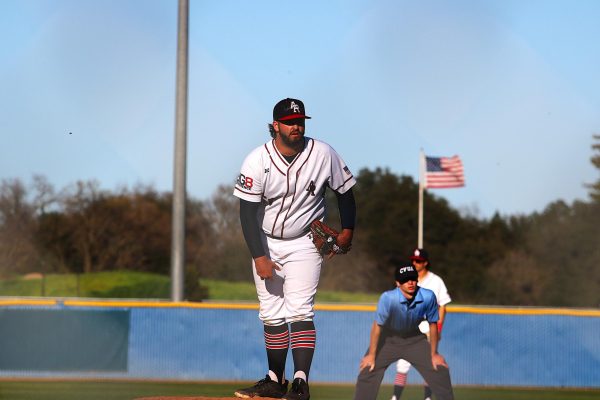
x=431 y=281
x=281 y=188
x=395 y=334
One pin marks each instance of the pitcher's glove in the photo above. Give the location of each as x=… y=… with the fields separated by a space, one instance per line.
x=325 y=239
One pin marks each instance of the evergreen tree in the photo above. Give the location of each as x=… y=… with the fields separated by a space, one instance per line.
x=595 y=187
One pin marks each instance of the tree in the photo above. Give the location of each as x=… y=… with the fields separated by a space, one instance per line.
x=18 y=253
x=44 y=196
x=86 y=226
x=95 y=230
x=228 y=255
x=595 y=187
x=563 y=241
x=53 y=238
x=461 y=249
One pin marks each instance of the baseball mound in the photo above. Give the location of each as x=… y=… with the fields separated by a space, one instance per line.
x=199 y=398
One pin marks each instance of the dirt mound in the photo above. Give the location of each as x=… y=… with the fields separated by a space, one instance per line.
x=199 y=398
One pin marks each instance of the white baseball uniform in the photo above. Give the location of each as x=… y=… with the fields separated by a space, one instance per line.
x=292 y=196
x=434 y=283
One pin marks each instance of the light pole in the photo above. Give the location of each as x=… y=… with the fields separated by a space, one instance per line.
x=179 y=168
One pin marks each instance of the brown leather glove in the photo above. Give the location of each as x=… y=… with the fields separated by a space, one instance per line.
x=325 y=239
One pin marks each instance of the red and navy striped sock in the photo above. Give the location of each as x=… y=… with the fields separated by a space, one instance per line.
x=399 y=383
x=277 y=340
x=303 y=338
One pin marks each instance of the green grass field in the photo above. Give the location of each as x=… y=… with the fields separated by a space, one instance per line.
x=77 y=390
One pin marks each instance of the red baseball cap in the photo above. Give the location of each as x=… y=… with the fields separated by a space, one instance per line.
x=420 y=255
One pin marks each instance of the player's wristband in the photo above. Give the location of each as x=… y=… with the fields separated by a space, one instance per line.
x=439 y=325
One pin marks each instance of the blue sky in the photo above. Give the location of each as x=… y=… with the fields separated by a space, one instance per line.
x=513 y=87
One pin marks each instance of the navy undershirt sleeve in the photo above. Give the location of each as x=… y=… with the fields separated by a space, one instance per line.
x=250 y=228
x=347 y=207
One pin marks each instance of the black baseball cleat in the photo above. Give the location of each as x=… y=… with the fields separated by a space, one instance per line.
x=264 y=388
x=299 y=390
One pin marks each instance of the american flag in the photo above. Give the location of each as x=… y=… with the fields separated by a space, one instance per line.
x=444 y=172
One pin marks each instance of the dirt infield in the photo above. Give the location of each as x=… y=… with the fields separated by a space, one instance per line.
x=199 y=398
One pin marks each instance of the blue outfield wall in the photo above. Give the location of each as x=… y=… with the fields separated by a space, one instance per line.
x=224 y=342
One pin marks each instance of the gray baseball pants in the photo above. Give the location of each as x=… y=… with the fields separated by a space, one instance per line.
x=414 y=349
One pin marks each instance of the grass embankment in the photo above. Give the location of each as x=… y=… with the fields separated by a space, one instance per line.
x=141 y=285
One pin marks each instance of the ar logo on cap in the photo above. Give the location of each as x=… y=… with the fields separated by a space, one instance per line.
x=295 y=107
x=404 y=270
x=417 y=253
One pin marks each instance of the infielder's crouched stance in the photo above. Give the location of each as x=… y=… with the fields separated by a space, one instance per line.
x=395 y=335
x=281 y=189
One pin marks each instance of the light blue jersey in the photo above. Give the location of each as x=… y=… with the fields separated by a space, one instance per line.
x=394 y=312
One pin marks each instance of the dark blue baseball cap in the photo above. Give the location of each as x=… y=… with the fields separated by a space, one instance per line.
x=406 y=273
x=287 y=109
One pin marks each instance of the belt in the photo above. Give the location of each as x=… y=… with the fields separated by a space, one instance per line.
x=404 y=334
x=289 y=238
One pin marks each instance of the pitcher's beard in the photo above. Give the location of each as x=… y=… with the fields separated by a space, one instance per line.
x=296 y=142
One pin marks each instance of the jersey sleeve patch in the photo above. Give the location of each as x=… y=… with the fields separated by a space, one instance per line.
x=248 y=184
x=341 y=179
x=245 y=182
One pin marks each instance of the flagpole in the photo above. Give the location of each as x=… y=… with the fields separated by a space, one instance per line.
x=421 y=187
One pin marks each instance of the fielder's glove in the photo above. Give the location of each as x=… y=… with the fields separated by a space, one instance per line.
x=325 y=239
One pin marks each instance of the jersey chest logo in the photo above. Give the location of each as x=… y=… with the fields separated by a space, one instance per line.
x=311 y=188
